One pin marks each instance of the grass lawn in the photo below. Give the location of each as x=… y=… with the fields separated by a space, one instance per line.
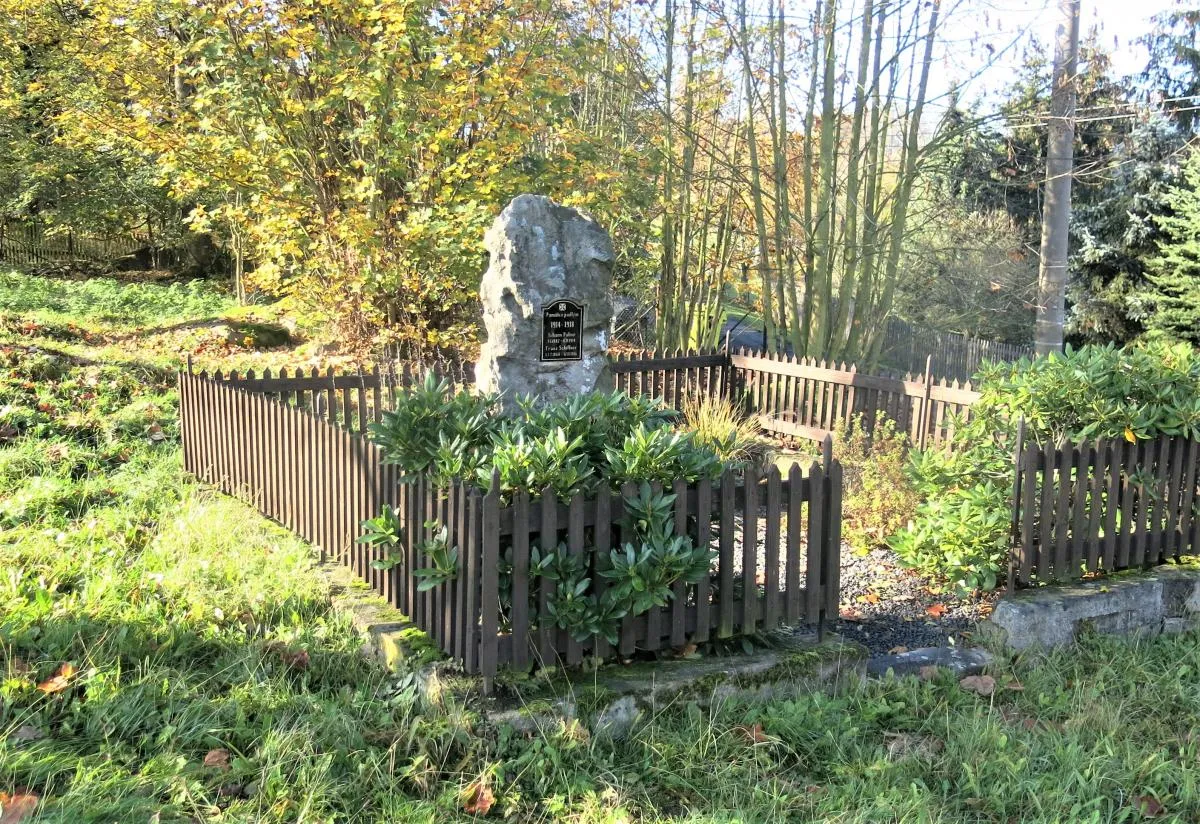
x=166 y=655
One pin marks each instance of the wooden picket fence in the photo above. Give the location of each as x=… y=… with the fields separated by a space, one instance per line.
x=27 y=244
x=293 y=446
x=949 y=354
x=807 y=399
x=1103 y=505
x=673 y=377
x=791 y=397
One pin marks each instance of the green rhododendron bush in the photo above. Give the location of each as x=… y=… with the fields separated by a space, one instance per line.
x=580 y=445
x=961 y=530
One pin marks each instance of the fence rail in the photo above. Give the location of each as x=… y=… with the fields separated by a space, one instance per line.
x=1103 y=505
x=672 y=377
x=300 y=457
x=807 y=399
x=789 y=396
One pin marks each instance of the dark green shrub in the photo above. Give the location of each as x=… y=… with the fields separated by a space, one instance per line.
x=434 y=429
x=660 y=455
x=1138 y=392
x=568 y=446
x=597 y=419
x=551 y=460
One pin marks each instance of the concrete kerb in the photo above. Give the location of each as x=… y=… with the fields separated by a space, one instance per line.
x=1166 y=599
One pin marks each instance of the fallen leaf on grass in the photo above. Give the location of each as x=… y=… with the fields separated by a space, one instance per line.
x=59 y=681
x=870 y=598
x=935 y=610
x=904 y=744
x=928 y=672
x=478 y=798
x=752 y=733
x=1148 y=806
x=218 y=759
x=16 y=807
x=983 y=685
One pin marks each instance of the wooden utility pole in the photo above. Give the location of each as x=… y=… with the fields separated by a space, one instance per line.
x=1060 y=159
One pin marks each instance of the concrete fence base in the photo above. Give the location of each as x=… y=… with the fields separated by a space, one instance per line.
x=1164 y=600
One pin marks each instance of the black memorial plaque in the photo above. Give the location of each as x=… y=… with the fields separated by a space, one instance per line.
x=562 y=331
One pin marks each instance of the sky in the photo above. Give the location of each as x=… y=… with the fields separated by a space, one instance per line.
x=1119 y=22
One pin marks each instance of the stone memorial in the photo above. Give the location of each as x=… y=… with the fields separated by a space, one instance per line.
x=547 y=303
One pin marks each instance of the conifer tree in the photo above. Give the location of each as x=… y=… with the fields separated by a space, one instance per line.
x=1173 y=296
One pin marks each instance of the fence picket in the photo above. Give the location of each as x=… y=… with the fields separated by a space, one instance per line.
x=792 y=600
x=520 y=580
x=474 y=558
x=679 y=589
x=1078 y=515
x=1095 y=507
x=1188 y=488
x=600 y=558
x=832 y=545
x=489 y=602
x=725 y=569
x=704 y=511
x=771 y=573
x=750 y=552
x=548 y=543
x=814 y=572
x=575 y=540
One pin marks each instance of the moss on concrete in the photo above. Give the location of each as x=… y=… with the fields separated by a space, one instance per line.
x=614 y=696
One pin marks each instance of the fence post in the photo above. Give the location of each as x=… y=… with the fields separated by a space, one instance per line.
x=1015 y=525
x=489 y=589
x=925 y=416
x=727 y=372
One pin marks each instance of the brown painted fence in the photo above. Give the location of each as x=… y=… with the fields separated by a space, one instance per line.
x=672 y=377
x=291 y=445
x=807 y=399
x=791 y=397
x=1103 y=505
x=22 y=243
x=911 y=348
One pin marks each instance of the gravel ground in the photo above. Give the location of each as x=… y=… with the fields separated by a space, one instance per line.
x=885 y=605
x=888 y=607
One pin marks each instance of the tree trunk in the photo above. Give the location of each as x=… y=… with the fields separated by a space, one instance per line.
x=1056 y=214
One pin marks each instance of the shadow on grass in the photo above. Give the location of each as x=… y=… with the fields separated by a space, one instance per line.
x=128 y=733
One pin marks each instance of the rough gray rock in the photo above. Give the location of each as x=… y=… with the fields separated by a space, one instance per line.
x=960 y=661
x=541 y=253
x=1165 y=600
